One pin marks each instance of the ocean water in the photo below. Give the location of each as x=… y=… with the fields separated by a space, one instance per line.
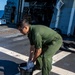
x=1 y=13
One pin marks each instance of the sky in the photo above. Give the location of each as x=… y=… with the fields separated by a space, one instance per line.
x=2 y=4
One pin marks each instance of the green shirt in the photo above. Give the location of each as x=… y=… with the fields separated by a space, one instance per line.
x=40 y=35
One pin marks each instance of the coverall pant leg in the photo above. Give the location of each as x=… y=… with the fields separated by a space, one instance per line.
x=46 y=60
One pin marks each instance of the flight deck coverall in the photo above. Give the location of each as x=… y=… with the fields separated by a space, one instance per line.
x=49 y=41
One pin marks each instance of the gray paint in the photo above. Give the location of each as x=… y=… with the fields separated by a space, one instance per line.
x=64 y=17
x=52 y=24
x=73 y=25
x=9 y=5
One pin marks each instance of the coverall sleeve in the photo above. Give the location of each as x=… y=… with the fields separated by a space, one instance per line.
x=31 y=42
x=37 y=41
x=30 y=39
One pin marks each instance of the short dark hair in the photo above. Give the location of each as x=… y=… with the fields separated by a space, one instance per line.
x=21 y=23
x=26 y=19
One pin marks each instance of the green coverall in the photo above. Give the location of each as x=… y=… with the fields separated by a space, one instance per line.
x=49 y=41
